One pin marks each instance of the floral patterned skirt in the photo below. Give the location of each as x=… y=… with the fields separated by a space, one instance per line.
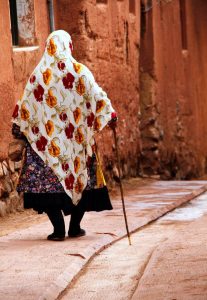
x=42 y=189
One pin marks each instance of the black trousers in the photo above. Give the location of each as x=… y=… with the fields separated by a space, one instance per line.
x=56 y=217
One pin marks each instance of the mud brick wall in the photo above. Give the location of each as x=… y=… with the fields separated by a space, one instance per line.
x=173 y=89
x=6 y=79
x=16 y=64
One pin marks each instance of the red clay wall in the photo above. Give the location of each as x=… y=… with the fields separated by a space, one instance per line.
x=175 y=90
x=6 y=78
x=196 y=67
x=106 y=38
x=16 y=64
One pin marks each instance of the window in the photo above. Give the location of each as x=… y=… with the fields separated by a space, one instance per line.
x=22 y=22
x=183 y=25
x=14 y=23
x=132 y=6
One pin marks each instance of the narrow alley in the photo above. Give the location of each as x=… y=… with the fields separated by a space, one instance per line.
x=95 y=93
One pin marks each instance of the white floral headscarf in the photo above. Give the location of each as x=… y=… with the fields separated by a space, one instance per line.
x=60 y=111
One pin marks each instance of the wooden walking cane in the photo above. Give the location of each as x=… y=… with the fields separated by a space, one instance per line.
x=120 y=184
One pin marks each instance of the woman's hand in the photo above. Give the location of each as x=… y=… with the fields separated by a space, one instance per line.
x=113 y=122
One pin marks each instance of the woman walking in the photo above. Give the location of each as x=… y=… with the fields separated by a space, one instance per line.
x=61 y=110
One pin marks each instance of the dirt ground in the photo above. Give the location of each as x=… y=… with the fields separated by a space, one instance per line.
x=19 y=220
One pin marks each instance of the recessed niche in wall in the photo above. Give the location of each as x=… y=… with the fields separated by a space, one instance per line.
x=132 y=6
x=102 y=1
x=183 y=23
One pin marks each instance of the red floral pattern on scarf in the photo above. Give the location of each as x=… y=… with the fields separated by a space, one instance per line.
x=38 y=93
x=68 y=81
x=41 y=143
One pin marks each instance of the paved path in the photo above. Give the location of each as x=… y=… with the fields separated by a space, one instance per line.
x=178 y=267
x=33 y=268
x=167 y=260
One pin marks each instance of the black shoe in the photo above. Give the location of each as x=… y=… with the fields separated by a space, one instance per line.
x=55 y=237
x=82 y=232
